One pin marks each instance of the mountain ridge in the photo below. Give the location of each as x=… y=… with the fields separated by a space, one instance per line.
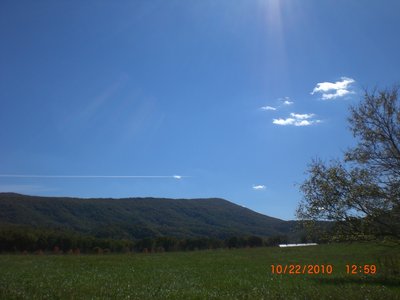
x=140 y=217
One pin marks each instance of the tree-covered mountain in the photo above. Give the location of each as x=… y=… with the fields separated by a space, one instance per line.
x=136 y=218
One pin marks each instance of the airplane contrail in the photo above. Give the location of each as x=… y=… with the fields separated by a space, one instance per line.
x=91 y=176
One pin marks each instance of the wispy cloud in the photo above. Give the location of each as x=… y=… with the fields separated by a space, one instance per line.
x=268 y=108
x=90 y=176
x=287 y=101
x=259 y=187
x=302 y=116
x=333 y=90
x=297 y=120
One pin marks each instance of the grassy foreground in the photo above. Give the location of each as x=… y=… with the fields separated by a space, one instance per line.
x=216 y=274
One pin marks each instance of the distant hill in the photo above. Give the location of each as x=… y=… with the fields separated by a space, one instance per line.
x=136 y=218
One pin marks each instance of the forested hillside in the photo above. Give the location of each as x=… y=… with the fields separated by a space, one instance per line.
x=137 y=218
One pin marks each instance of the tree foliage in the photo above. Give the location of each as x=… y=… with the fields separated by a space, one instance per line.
x=362 y=192
x=17 y=239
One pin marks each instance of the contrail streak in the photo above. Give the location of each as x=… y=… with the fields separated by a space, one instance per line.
x=90 y=176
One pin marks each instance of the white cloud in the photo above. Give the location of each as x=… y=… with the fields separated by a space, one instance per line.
x=288 y=121
x=306 y=122
x=177 y=176
x=297 y=120
x=287 y=101
x=333 y=90
x=302 y=116
x=259 y=187
x=338 y=93
x=268 y=108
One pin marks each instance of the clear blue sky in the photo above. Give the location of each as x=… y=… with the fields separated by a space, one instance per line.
x=238 y=96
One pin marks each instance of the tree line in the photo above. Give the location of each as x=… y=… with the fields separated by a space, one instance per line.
x=36 y=240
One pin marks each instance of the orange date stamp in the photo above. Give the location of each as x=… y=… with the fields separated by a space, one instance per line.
x=326 y=269
x=295 y=269
x=361 y=269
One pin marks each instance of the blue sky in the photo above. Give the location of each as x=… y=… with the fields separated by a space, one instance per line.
x=235 y=96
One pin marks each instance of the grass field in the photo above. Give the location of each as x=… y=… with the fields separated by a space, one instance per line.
x=214 y=274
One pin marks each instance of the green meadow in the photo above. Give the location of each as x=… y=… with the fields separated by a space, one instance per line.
x=210 y=274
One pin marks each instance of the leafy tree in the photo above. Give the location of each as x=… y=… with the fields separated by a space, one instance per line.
x=362 y=192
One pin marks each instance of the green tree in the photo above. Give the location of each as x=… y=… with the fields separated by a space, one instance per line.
x=362 y=192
